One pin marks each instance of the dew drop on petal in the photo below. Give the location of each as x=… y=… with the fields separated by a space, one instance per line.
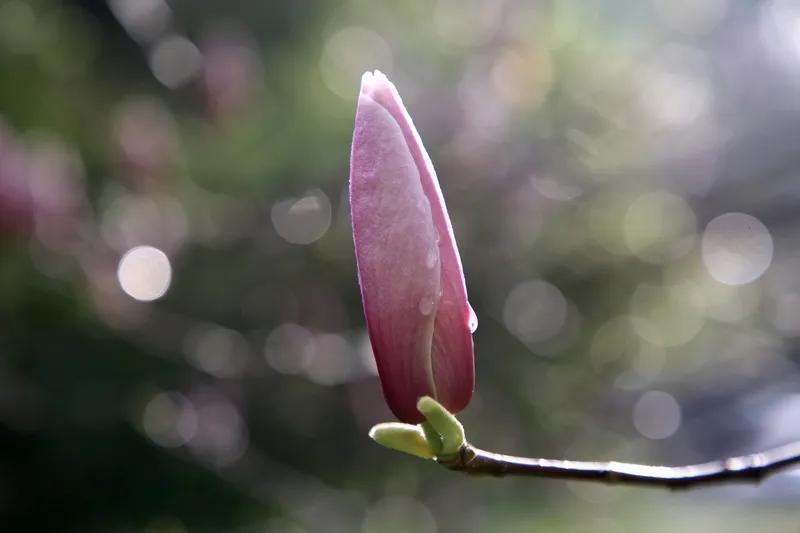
x=473 y=320
x=426 y=305
x=433 y=255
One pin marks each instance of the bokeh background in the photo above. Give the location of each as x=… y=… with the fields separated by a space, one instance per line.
x=182 y=346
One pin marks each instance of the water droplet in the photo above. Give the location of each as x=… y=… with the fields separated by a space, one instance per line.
x=432 y=257
x=426 y=305
x=423 y=205
x=472 y=323
x=436 y=236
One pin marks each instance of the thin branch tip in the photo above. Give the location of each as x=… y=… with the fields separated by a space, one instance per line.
x=752 y=468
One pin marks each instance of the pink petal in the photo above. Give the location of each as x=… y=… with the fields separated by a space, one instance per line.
x=412 y=285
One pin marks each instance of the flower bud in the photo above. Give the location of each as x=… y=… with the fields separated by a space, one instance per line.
x=412 y=284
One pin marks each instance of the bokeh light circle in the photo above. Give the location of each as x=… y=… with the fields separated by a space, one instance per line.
x=659 y=227
x=657 y=415
x=175 y=60
x=349 y=53
x=144 y=273
x=534 y=311
x=302 y=220
x=737 y=248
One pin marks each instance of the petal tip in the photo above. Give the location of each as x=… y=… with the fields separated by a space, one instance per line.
x=374 y=81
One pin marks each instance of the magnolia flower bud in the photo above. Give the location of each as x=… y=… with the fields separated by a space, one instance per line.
x=412 y=284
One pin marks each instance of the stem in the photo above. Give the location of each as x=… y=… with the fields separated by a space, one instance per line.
x=747 y=468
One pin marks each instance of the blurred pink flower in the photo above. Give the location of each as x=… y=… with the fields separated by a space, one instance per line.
x=231 y=71
x=412 y=284
x=41 y=187
x=146 y=135
x=16 y=203
x=58 y=191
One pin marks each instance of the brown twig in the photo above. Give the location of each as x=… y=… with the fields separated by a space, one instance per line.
x=747 y=468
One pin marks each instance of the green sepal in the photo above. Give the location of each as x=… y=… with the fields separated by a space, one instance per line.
x=402 y=437
x=433 y=437
x=443 y=423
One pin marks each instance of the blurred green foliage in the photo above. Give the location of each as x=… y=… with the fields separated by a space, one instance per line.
x=220 y=379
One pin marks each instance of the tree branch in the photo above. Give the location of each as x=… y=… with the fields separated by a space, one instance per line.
x=747 y=468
